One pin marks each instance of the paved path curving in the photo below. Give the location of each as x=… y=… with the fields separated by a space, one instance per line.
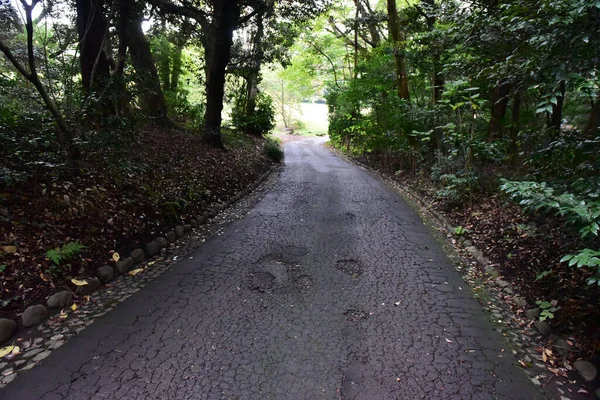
x=330 y=288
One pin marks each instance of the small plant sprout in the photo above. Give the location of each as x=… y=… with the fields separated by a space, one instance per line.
x=547 y=309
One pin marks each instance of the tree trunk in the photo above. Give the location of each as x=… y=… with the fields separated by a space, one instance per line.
x=515 y=125
x=152 y=100
x=437 y=79
x=251 y=92
x=398 y=43
x=557 y=109
x=91 y=27
x=591 y=129
x=217 y=40
x=499 y=103
x=177 y=63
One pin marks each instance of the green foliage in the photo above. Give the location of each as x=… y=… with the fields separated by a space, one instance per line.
x=547 y=309
x=273 y=149
x=172 y=209
x=460 y=230
x=259 y=122
x=580 y=209
x=586 y=258
x=62 y=254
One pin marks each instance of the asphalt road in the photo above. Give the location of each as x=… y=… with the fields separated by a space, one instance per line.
x=330 y=288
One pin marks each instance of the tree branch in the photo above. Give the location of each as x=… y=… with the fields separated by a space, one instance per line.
x=184 y=11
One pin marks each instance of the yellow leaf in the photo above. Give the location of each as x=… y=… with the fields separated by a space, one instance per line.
x=151 y=263
x=74 y=307
x=116 y=256
x=6 y=350
x=79 y=282
x=63 y=315
x=9 y=249
x=16 y=350
x=135 y=271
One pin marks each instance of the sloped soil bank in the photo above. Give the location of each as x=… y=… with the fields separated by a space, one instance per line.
x=120 y=199
x=520 y=247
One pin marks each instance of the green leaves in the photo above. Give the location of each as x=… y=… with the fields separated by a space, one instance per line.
x=587 y=258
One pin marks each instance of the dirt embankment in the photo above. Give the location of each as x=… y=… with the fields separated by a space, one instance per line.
x=119 y=199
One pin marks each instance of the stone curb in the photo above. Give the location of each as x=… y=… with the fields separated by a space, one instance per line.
x=36 y=314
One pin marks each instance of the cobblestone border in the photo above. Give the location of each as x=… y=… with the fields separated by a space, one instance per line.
x=524 y=333
x=34 y=343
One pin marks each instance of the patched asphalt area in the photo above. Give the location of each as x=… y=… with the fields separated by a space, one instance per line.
x=330 y=287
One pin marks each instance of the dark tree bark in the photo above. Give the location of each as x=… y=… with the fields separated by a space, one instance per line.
x=515 y=125
x=593 y=123
x=499 y=103
x=217 y=43
x=555 y=121
x=252 y=75
x=152 y=100
x=91 y=27
x=397 y=40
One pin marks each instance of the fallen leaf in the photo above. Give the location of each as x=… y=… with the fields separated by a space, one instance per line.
x=6 y=350
x=135 y=271
x=79 y=282
x=63 y=315
x=151 y=263
x=116 y=256
x=16 y=350
x=9 y=249
x=448 y=340
x=74 y=307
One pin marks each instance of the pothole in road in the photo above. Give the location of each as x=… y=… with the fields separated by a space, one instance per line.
x=349 y=267
x=285 y=254
x=261 y=281
x=353 y=315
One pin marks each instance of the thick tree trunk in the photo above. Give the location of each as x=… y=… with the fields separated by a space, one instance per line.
x=91 y=27
x=557 y=109
x=499 y=103
x=398 y=42
x=152 y=100
x=217 y=41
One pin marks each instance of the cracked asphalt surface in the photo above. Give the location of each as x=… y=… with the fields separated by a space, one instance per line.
x=331 y=287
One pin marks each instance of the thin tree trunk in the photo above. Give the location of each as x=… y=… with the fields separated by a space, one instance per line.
x=65 y=135
x=515 y=125
x=398 y=43
x=285 y=122
x=218 y=41
x=437 y=78
x=557 y=109
x=177 y=64
x=499 y=103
